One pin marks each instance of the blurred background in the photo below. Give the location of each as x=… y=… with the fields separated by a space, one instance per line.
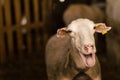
x=26 y=26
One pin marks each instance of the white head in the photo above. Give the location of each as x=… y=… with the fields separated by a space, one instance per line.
x=82 y=32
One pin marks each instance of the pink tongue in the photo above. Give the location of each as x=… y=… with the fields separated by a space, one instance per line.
x=89 y=61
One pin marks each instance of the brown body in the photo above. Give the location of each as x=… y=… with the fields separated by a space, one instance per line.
x=60 y=64
x=113 y=41
x=72 y=51
x=75 y=11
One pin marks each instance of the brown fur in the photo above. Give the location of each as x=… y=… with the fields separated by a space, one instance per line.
x=64 y=63
x=75 y=11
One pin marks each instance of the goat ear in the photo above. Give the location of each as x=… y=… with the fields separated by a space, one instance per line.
x=101 y=28
x=63 y=32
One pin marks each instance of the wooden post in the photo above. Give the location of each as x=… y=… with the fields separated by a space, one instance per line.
x=36 y=17
x=2 y=43
x=27 y=15
x=18 y=19
x=9 y=31
x=45 y=13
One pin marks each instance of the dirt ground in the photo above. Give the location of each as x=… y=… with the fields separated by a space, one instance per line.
x=34 y=69
x=30 y=68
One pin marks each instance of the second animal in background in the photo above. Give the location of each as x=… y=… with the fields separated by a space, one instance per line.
x=75 y=11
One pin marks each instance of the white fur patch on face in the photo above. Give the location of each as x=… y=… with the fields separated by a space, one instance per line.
x=81 y=25
x=84 y=29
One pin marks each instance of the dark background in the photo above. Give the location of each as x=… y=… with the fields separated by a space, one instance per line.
x=32 y=66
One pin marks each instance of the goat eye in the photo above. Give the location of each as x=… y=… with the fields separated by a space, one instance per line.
x=94 y=27
x=69 y=31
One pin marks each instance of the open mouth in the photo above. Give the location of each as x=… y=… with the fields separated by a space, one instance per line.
x=89 y=59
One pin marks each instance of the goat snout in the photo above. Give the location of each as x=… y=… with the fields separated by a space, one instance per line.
x=89 y=48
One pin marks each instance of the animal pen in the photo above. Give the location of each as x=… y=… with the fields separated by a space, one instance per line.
x=17 y=40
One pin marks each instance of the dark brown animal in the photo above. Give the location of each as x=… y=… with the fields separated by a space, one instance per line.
x=75 y=11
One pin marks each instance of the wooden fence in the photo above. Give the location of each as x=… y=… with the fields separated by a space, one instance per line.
x=17 y=40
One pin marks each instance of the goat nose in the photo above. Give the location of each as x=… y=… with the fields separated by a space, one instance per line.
x=89 y=48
